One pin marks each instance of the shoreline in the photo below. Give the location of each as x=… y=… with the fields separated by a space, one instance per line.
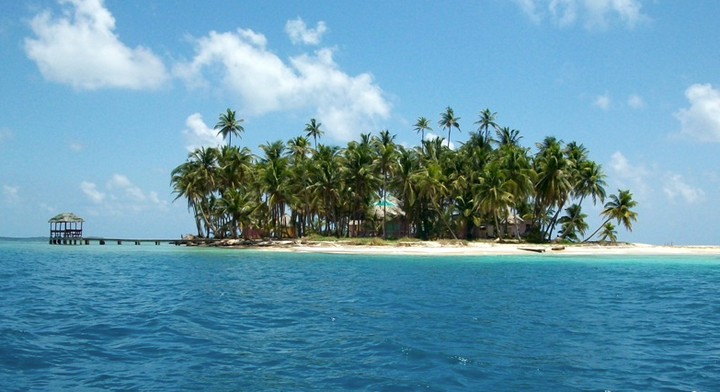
x=436 y=248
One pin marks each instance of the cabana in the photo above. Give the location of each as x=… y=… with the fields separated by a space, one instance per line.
x=65 y=229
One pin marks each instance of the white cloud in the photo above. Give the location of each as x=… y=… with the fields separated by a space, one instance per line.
x=628 y=175
x=300 y=34
x=199 y=134
x=602 y=101
x=91 y=191
x=701 y=121
x=528 y=6
x=81 y=49
x=636 y=102
x=676 y=187
x=564 y=12
x=346 y=105
x=593 y=14
x=11 y=193
x=121 y=183
x=121 y=196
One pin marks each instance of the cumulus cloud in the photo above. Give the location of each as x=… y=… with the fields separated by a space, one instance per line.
x=675 y=187
x=346 y=105
x=602 y=101
x=701 y=121
x=300 y=34
x=198 y=134
x=636 y=102
x=593 y=14
x=120 y=196
x=80 y=48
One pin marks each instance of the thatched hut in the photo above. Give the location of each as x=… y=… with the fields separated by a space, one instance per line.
x=66 y=229
x=389 y=206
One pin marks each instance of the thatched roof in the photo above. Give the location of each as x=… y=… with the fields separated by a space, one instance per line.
x=389 y=204
x=66 y=217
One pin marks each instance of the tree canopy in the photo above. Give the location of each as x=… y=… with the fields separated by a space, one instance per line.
x=293 y=189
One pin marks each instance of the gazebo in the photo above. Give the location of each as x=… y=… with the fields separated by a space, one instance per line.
x=65 y=229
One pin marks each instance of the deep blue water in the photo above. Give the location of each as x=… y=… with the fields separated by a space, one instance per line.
x=164 y=318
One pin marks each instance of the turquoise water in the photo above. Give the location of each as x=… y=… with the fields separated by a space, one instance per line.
x=165 y=318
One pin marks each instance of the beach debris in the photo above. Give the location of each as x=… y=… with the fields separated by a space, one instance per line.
x=538 y=250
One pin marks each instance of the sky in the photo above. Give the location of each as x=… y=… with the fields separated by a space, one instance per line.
x=100 y=100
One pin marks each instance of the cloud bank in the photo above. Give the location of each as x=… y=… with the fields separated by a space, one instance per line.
x=264 y=83
x=80 y=48
x=701 y=121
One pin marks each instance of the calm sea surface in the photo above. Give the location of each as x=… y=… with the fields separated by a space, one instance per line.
x=165 y=318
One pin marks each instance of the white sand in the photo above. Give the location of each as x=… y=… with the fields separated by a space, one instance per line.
x=432 y=248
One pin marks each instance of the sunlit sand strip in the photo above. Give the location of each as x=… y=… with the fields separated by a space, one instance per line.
x=431 y=248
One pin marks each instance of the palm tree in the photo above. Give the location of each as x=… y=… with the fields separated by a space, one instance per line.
x=184 y=185
x=486 y=121
x=384 y=161
x=422 y=125
x=608 y=233
x=402 y=183
x=326 y=183
x=197 y=180
x=429 y=181
x=573 y=223
x=229 y=125
x=493 y=195
x=553 y=185
x=590 y=182
x=619 y=208
x=299 y=149
x=515 y=166
x=448 y=120
x=507 y=137
x=313 y=129
x=273 y=180
x=360 y=176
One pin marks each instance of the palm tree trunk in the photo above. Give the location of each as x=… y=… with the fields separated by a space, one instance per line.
x=596 y=231
x=553 y=221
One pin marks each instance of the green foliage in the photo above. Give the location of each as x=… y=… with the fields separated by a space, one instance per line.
x=487 y=185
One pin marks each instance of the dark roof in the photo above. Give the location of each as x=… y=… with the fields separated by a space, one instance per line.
x=66 y=217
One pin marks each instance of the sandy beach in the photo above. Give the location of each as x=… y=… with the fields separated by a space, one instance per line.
x=434 y=248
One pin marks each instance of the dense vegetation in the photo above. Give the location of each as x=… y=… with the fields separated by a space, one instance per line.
x=299 y=188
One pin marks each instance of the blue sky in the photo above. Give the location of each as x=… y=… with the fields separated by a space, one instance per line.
x=102 y=99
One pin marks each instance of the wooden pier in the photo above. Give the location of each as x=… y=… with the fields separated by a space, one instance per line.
x=120 y=241
x=67 y=229
x=135 y=241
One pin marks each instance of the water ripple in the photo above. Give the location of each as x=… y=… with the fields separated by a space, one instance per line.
x=157 y=319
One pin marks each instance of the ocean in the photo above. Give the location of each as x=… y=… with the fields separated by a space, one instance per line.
x=167 y=318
